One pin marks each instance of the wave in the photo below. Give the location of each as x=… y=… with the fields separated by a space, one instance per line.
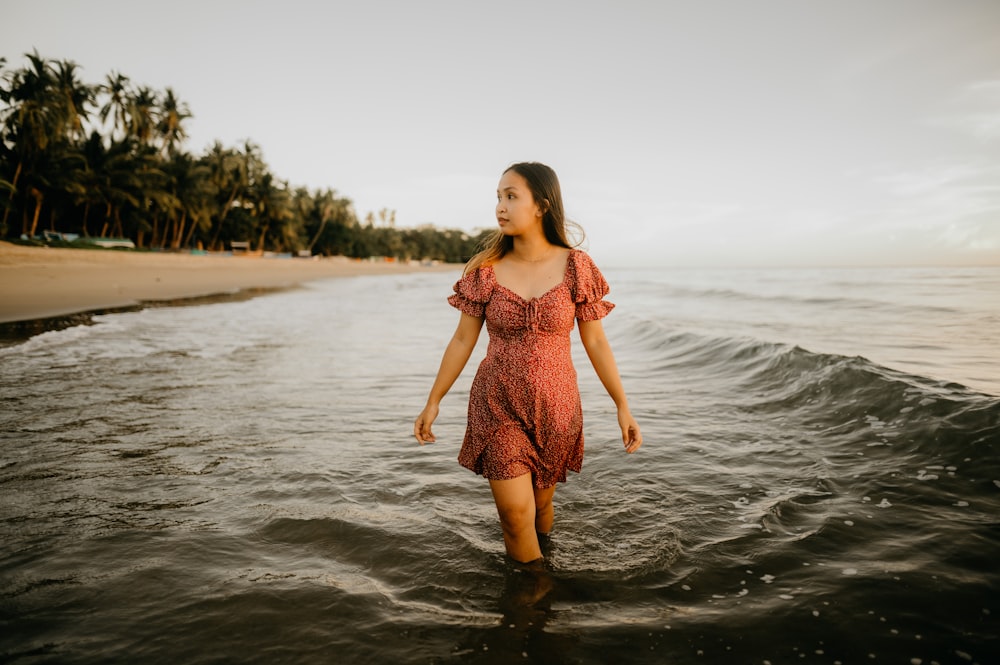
x=762 y=361
x=725 y=295
x=830 y=390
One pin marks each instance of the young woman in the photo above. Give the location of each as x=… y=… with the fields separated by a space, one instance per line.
x=525 y=425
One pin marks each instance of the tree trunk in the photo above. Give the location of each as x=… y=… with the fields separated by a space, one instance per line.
x=190 y=233
x=13 y=190
x=119 y=230
x=107 y=220
x=155 y=236
x=222 y=218
x=179 y=231
x=86 y=213
x=39 y=197
x=322 y=225
x=260 y=244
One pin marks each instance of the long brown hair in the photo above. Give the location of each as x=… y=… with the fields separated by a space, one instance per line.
x=545 y=190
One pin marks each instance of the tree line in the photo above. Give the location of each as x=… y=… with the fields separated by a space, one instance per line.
x=108 y=160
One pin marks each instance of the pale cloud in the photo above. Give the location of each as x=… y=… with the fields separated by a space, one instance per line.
x=976 y=111
x=955 y=190
x=954 y=206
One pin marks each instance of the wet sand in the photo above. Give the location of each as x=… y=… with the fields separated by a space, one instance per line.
x=43 y=282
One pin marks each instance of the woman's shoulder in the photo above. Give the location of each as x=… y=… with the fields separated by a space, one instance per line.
x=588 y=287
x=477 y=280
x=580 y=260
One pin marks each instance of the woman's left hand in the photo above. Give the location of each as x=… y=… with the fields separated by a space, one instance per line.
x=631 y=435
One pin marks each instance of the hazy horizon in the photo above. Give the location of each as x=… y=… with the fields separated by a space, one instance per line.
x=688 y=134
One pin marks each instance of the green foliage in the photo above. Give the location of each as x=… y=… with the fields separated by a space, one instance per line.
x=108 y=159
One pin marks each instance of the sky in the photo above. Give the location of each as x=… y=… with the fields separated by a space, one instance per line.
x=687 y=133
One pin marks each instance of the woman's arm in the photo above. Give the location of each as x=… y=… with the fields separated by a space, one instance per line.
x=601 y=357
x=456 y=355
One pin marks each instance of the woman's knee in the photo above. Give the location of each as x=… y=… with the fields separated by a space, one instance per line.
x=516 y=516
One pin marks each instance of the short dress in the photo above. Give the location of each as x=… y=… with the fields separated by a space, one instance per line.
x=524 y=404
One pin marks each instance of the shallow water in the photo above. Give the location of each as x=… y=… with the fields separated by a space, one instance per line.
x=236 y=482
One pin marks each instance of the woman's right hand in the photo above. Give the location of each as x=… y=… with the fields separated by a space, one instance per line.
x=631 y=435
x=422 y=426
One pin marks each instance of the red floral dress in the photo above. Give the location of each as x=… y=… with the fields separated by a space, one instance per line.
x=524 y=405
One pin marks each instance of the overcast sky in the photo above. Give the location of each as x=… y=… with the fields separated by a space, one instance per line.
x=698 y=132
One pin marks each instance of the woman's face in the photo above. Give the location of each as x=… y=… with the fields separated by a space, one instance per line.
x=517 y=211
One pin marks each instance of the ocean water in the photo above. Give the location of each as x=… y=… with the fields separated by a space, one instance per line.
x=236 y=481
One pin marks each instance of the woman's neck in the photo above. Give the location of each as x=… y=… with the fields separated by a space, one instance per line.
x=532 y=249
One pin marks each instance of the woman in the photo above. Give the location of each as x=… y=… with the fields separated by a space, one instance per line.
x=525 y=425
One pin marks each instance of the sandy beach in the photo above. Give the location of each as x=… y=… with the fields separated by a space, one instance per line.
x=43 y=282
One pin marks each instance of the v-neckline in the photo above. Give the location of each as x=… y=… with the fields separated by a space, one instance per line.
x=569 y=257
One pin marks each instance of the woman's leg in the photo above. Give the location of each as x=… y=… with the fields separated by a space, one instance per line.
x=544 y=515
x=515 y=500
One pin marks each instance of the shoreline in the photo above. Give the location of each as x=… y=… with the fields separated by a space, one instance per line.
x=39 y=284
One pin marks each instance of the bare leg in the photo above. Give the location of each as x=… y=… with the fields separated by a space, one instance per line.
x=515 y=500
x=544 y=515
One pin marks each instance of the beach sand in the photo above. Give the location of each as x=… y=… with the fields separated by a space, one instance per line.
x=44 y=282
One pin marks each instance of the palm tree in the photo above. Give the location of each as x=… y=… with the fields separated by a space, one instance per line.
x=197 y=199
x=60 y=171
x=334 y=220
x=273 y=211
x=76 y=97
x=229 y=175
x=94 y=153
x=115 y=181
x=28 y=121
x=47 y=106
x=143 y=115
x=149 y=188
x=173 y=113
x=5 y=186
x=117 y=89
x=189 y=185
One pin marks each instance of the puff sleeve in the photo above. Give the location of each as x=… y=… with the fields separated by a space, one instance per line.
x=472 y=292
x=589 y=288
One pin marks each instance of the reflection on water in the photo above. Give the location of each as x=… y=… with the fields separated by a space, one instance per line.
x=525 y=607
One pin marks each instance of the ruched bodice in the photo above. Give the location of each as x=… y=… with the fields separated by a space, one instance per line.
x=524 y=405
